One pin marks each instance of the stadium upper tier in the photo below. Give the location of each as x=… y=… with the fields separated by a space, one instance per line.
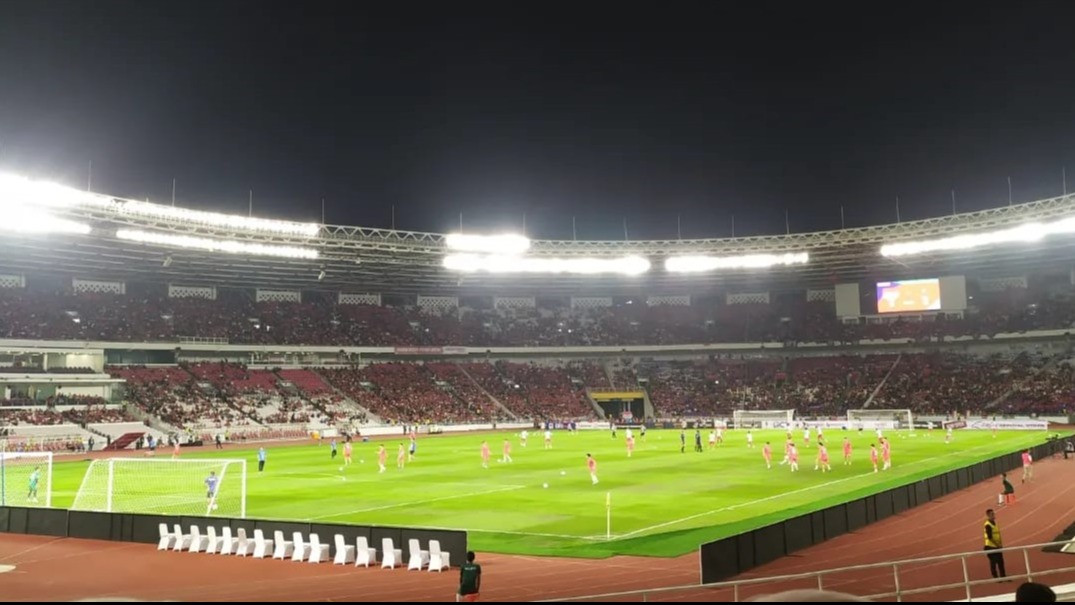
x=147 y=315
x=48 y=229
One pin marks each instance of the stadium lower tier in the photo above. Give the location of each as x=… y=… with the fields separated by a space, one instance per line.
x=209 y=397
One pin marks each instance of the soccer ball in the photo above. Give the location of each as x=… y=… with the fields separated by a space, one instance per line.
x=215 y=507
x=341 y=469
x=545 y=485
x=562 y=473
x=362 y=461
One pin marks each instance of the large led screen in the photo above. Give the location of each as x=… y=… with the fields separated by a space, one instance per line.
x=909 y=296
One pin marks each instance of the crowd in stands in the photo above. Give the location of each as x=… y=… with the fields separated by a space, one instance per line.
x=939 y=384
x=320 y=321
x=59 y=409
x=215 y=396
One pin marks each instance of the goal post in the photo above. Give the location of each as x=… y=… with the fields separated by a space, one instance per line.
x=26 y=479
x=880 y=419
x=763 y=419
x=165 y=487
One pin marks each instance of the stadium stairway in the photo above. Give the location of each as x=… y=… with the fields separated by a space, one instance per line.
x=123 y=441
x=500 y=405
x=881 y=385
x=370 y=416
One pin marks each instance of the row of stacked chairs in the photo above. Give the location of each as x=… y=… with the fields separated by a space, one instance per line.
x=300 y=549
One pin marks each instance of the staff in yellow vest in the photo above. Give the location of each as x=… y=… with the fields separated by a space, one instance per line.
x=994 y=542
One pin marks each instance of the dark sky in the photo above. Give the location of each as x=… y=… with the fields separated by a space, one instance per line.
x=702 y=109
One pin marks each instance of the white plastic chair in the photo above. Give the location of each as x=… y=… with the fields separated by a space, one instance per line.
x=318 y=551
x=438 y=559
x=167 y=538
x=262 y=547
x=284 y=548
x=212 y=541
x=418 y=558
x=182 y=542
x=198 y=542
x=301 y=550
x=243 y=546
x=345 y=553
x=390 y=555
x=227 y=542
x=364 y=555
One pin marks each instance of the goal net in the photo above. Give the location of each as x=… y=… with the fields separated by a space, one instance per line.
x=166 y=487
x=880 y=419
x=763 y=419
x=25 y=478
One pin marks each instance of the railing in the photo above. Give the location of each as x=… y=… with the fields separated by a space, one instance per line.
x=202 y=340
x=818 y=577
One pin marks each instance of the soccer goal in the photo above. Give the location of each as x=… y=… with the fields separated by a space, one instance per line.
x=164 y=487
x=763 y=419
x=880 y=419
x=26 y=479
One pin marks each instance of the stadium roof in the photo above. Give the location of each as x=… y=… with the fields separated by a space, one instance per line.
x=359 y=259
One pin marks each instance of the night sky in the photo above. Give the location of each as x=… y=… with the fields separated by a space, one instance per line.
x=700 y=109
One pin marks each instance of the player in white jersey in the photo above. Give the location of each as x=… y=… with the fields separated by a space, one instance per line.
x=523 y=437
x=750 y=439
x=548 y=439
x=720 y=435
x=712 y=439
x=806 y=436
x=880 y=435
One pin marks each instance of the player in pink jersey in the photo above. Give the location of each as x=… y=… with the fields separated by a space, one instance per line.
x=175 y=449
x=401 y=456
x=767 y=453
x=591 y=464
x=822 y=458
x=347 y=453
x=507 y=452
x=793 y=457
x=787 y=451
x=1028 y=470
x=485 y=454
x=630 y=445
x=886 y=454
x=382 y=458
x=847 y=451
x=873 y=456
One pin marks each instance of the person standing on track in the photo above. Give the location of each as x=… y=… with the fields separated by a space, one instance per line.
x=994 y=542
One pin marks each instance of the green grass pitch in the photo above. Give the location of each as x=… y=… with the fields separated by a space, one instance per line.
x=664 y=503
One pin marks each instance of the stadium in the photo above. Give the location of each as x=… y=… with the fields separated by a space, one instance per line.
x=144 y=346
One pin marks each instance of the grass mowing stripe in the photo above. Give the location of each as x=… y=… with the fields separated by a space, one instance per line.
x=418 y=502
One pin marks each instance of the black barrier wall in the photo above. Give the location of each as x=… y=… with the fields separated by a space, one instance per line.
x=729 y=557
x=125 y=527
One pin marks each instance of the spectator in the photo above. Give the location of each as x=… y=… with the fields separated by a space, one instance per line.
x=1032 y=592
